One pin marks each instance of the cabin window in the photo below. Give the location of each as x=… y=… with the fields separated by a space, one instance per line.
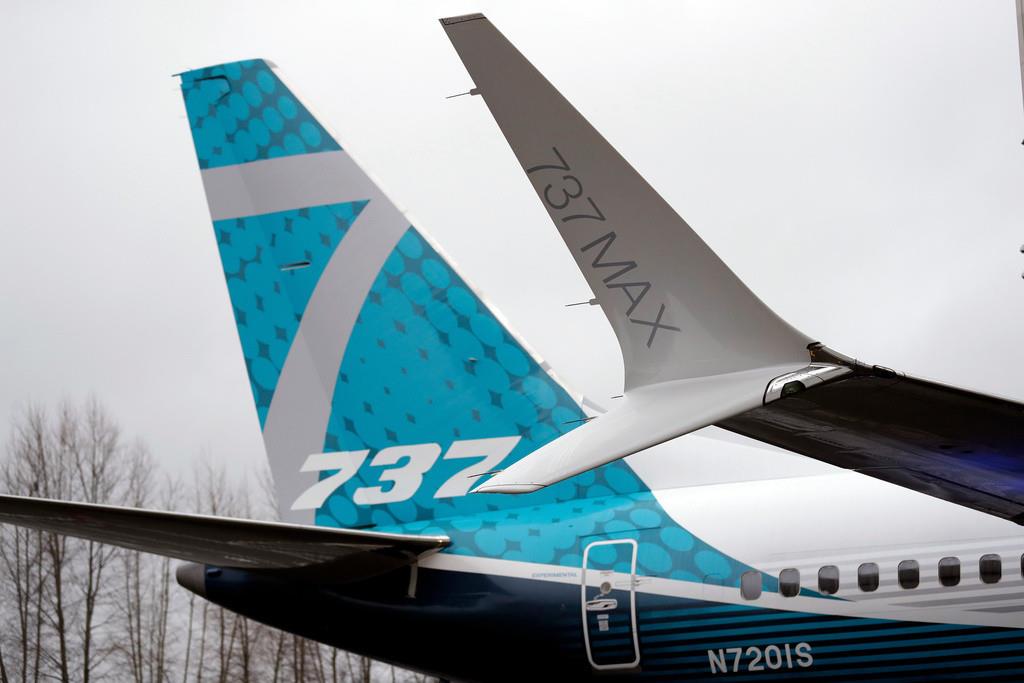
x=828 y=579
x=949 y=571
x=750 y=585
x=867 y=577
x=789 y=582
x=990 y=568
x=909 y=572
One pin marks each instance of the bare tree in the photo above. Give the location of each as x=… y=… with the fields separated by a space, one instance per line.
x=159 y=661
x=21 y=550
x=3 y=668
x=359 y=668
x=83 y=611
x=50 y=460
x=138 y=482
x=106 y=473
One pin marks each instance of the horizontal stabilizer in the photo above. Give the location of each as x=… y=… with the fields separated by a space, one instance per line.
x=343 y=554
x=643 y=418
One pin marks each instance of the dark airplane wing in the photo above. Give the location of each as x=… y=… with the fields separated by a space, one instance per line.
x=950 y=443
x=340 y=554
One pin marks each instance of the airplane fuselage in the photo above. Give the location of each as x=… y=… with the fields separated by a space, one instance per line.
x=657 y=585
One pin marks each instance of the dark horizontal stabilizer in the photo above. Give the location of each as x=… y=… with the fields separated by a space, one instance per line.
x=953 y=444
x=341 y=554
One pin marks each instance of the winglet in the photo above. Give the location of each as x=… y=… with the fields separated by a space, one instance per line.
x=448 y=21
x=678 y=311
x=697 y=345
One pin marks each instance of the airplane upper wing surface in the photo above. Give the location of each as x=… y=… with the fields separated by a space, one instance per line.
x=950 y=443
x=339 y=554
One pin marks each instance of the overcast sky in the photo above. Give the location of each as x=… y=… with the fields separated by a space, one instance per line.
x=858 y=164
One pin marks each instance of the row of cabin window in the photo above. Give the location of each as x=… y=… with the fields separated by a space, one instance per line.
x=990 y=570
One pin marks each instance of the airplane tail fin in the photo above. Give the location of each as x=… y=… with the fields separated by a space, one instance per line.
x=385 y=386
x=697 y=345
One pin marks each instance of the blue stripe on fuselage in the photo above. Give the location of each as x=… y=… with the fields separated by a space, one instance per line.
x=463 y=626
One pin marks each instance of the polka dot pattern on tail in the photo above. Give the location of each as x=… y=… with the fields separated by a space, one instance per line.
x=428 y=362
x=241 y=112
x=268 y=302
